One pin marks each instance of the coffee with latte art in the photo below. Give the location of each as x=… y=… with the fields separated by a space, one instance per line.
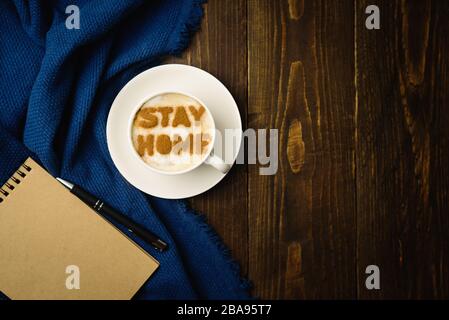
x=172 y=132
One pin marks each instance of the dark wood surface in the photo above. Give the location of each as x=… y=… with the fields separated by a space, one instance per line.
x=363 y=144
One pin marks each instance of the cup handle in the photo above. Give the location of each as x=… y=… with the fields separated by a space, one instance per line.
x=217 y=163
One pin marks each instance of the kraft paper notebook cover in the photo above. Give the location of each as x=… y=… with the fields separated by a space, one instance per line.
x=44 y=229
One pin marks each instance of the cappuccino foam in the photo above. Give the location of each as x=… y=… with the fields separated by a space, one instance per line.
x=172 y=132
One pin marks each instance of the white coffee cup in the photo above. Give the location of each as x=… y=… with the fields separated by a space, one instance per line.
x=209 y=157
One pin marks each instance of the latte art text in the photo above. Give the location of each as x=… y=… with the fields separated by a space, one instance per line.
x=163 y=143
x=172 y=132
x=149 y=117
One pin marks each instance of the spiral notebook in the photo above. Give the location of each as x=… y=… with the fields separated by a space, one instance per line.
x=53 y=246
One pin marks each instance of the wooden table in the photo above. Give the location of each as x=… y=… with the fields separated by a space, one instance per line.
x=363 y=144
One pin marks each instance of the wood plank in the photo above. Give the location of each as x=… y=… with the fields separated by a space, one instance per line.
x=301 y=81
x=220 y=48
x=402 y=149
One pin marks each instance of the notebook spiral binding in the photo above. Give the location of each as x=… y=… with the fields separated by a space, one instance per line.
x=15 y=180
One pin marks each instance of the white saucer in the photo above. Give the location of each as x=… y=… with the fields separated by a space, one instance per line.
x=171 y=78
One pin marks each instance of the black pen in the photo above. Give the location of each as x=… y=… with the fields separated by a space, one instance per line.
x=106 y=211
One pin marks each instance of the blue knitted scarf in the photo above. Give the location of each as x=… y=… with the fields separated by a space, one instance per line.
x=56 y=88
